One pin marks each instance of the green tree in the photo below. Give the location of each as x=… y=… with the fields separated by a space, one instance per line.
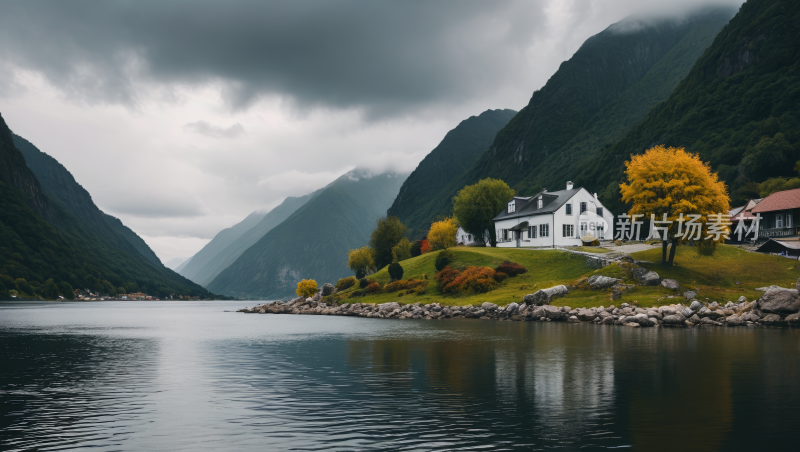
x=395 y=271
x=476 y=205
x=361 y=261
x=23 y=287
x=388 y=233
x=401 y=251
x=49 y=290
x=66 y=290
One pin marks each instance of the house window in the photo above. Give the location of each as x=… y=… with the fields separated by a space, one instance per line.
x=544 y=230
x=531 y=232
x=787 y=220
x=569 y=209
x=539 y=203
x=583 y=207
x=511 y=207
x=599 y=211
x=567 y=230
x=779 y=220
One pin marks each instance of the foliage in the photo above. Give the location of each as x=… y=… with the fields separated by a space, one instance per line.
x=511 y=268
x=443 y=234
x=402 y=250
x=500 y=276
x=363 y=282
x=476 y=205
x=426 y=193
x=373 y=287
x=416 y=248
x=387 y=233
x=446 y=275
x=361 y=261
x=670 y=181
x=395 y=271
x=346 y=283
x=471 y=280
x=306 y=288
x=776 y=184
x=443 y=259
x=424 y=247
x=408 y=285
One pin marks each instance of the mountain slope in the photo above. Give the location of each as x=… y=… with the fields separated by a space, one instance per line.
x=41 y=239
x=313 y=242
x=421 y=199
x=204 y=267
x=61 y=186
x=739 y=107
x=610 y=83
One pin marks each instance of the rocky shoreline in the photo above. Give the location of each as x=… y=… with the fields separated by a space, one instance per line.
x=778 y=307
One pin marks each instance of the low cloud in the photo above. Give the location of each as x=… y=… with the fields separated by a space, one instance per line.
x=204 y=128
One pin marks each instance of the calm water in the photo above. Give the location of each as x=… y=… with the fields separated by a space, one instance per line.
x=189 y=376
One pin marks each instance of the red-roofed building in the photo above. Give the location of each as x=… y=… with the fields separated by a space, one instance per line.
x=780 y=213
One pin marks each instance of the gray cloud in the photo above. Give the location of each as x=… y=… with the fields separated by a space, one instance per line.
x=204 y=128
x=382 y=57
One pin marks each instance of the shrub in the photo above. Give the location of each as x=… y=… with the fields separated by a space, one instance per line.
x=306 y=288
x=401 y=251
x=356 y=294
x=424 y=247
x=444 y=259
x=472 y=280
x=396 y=271
x=511 y=268
x=416 y=248
x=618 y=242
x=373 y=288
x=443 y=234
x=346 y=283
x=500 y=276
x=363 y=282
x=406 y=284
x=446 y=276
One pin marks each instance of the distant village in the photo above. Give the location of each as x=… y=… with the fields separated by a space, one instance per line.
x=87 y=295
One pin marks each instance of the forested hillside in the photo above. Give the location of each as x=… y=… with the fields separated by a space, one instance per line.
x=424 y=195
x=46 y=249
x=610 y=83
x=230 y=243
x=313 y=242
x=738 y=107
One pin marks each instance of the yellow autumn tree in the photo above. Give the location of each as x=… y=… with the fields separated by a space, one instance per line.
x=671 y=181
x=306 y=288
x=361 y=261
x=443 y=234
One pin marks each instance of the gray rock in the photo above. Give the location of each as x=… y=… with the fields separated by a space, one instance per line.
x=772 y=320
x=512 y=308
x=554 y=313
x=489 y=307
x=793 y=319
x=650 y=279
x=708 y=321
x=389 y=306
x=565 y=309
x=786 y=301
x=686 y=312
x=689 y=295
x=670 y=284
x=695 y=305
x=545 y=296
x=316 y=297
x=573 y=319
x=741 y=299
x=674 y=320
x=327 y=289
x=586 y=315
x=772 y=287
x=667 y=310
x=797 y=286
x=601 y=282
x=694 y=319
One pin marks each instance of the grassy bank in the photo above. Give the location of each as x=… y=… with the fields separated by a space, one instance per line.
x=713 y=277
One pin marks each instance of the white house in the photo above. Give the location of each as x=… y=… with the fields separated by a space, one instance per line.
x=465 y=238
x=551 y=219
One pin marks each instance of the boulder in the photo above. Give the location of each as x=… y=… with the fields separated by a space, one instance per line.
x=650 y=279
x=689 y=295
x=586 y=315
x=772 y=320
x=554 y=313
x=489 y=307
x=670 y=284
x=667 y=310
x=674 y=320
x=316 y=297
x=708 y=321
x=545 y=296
x=327 y=289
x=389 y=307
x=785 y=301
x=797 y=286
x=573 y=319
x=793 y=319
x=601 y=282
x=686 y=312
x=741 y=299
x=512 y=308
x=772 y=287
x=695 y=305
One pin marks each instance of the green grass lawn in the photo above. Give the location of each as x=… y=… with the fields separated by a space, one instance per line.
x=713 y=277
x=590 y=249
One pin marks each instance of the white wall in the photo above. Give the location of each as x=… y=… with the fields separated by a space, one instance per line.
x=556 y=220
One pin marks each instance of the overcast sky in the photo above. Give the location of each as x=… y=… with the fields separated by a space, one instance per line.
x=182 y=117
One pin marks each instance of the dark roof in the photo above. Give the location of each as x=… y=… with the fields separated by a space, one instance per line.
x=777 y=246
x=553 y=200
x=782 y=200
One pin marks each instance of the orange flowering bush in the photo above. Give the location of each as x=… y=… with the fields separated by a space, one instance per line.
x=373 y=288
x=406 y=284
x=471 y=280
x=511 y=268
x=500 y=276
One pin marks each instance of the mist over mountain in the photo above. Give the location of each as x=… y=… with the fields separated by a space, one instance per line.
x=314 y=240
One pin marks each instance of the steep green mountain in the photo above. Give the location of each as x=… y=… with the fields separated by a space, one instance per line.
x=41 y=239
x=738 y=107
x=61 y=186
x=230 y=243
x=314 y=240
x=610 y=83
x=423 y=195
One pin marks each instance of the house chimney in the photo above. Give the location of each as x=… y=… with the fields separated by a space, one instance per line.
x=595 y=196
x=569 y=185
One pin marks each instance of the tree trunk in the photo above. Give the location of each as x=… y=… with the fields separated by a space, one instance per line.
x=672 y=251
x=664 y=252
